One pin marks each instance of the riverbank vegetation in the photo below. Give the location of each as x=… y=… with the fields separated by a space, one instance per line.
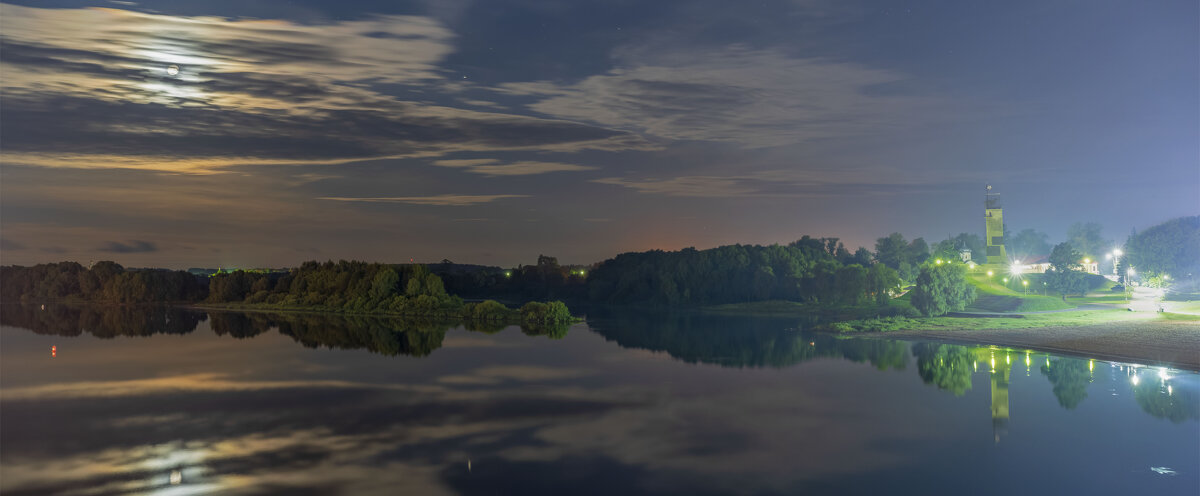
x=103 y=281
x=968 y=323
x=369 y=288
x=341 y=287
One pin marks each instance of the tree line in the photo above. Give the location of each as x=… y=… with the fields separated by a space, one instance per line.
x=103 y=281
x=361 y=287
x=813 y=270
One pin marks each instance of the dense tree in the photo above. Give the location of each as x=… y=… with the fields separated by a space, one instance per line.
x=950 y=248
x=1172 y=248
x=881 y=282
x=804 y=270
x=891 y=250
x=1065 y=276
x=942 y=288
x=1027 y=243
x=1086 y=237
x=917 y=251
x=863 y=257
x=104 y=281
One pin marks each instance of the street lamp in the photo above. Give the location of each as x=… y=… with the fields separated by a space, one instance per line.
x=1129 y=273
x=1026 y=284
x=1115 y=255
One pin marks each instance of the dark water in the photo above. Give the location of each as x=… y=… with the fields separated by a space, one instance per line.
x=169 y=401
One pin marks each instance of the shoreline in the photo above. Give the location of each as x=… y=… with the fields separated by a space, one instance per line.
x=1174 y=344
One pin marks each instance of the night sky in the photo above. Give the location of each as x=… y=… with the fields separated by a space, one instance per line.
x=264 y=133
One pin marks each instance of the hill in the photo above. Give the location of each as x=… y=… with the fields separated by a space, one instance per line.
x=995 y=295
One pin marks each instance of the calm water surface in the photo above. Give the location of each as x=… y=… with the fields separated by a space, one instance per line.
x=169 y=401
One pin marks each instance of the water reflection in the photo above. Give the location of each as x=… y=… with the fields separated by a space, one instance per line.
x=766 y=410
x=733 y=341
x=383 y=335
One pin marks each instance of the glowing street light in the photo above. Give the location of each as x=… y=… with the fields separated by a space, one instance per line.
x=990 y=273
x=1115 y=255
x=1026 y=284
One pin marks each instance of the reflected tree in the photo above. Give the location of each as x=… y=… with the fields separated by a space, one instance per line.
x=239 y=325
x=1070 y=377
x=736 y=341
x=101 y=321
x=553 y=330
x=1174 y=405
x=946 y=366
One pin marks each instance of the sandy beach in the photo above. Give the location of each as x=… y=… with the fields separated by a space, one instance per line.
x=1156 y=342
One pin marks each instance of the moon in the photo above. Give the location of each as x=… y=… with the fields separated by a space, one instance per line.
x=172 y=70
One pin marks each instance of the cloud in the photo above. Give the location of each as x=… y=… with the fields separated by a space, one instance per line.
x=753 y=98
x=464 y=162
x=309 y=177
x=438 y=200
x=488 y=167
x=10 y=245
x=799 y=183
x=134 y=246
x=701 y=186
x=520 y=373
x=246 y=92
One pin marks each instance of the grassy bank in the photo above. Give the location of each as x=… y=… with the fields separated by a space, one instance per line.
x=996 y=296
x=1049 y=320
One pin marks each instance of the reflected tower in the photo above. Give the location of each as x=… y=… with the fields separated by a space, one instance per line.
x=1000 y=368
x=1000 y=400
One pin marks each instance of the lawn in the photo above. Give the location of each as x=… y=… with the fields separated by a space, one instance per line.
x=1063 y=319
x=995 y=295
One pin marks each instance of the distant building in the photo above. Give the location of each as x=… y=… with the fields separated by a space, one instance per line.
x=1041 y=265
x=965 y=255
x=993 y=221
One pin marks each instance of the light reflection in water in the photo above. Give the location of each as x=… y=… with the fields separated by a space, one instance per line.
x=292 y=416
